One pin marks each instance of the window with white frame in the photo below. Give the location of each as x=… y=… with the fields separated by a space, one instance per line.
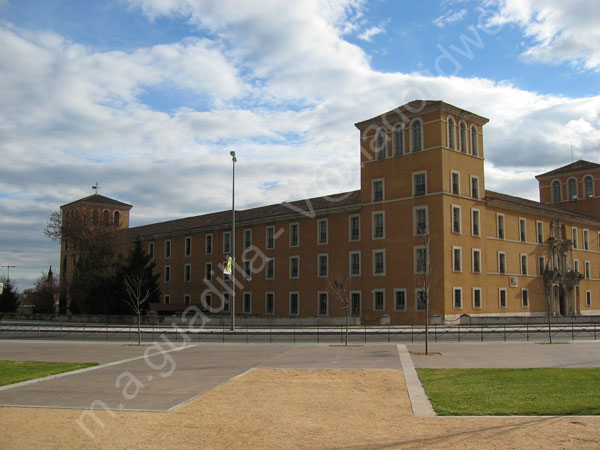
x=323 y=303
x=188 y=246
x=588 y=270
x=456 y=222
x=574 y=237
x=522 y=230
x=206 y=300
x=477 y=299
x=420 y=299
x=457 y=298
x=269 y=303
x=474 y=187
x=419 y=184
x=294 y=303
x=476 y=260
x=556 y=191
x=475 y=229
x=455 y=182
x=398 y=134
x=247 y=303
x=586 y=239
x=167 y=272
x=588 y=298
x=322 y=231
x=323 y=263
x=451 y=133
x=354 y=227
x=572 y=187
x=421 y=260
x=540 y=231
x=270 y=237
x=294 y=235
x=501 y=262
x=399 y=299
x=294 y=267
x=247 y=270
x=208 y=271
x=377 y=190
x=416 y=136
x=474 y=146
x=500 y=226
x=588 y=186
x=462 y=137
x=208 y=244
x=270 y=269
x=355 y=303
x=541 y=266
x=421 y=222
x=247 y=238
x=525 y=298
x=354 y=264
x=576 y=265
x=502 y=298
x=167 y=248
x=378 y=300
x=227 y=242
x=380 y=143
x=379 y=262
x=187 y=298
x=167 y=299
x=187 y=273
x=456 y=259
x=378 y=225
x=523 y=264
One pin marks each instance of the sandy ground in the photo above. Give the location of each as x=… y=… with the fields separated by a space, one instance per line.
x=329 y=409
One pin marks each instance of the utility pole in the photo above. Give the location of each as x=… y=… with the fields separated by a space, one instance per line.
x=7 y=267
x=233 y=161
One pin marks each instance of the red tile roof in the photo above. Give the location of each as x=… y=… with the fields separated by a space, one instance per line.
x=577 y=166
x=99 y=200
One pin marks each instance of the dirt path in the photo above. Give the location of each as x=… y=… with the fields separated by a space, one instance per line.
x=341 y=409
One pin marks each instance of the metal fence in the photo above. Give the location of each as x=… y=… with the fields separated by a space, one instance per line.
x=292 y=334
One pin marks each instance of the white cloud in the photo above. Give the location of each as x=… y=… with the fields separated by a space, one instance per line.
x=449 y=18
x=562 y=31
x=370 y=32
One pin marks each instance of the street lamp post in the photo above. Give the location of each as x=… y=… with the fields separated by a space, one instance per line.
x=233 y=160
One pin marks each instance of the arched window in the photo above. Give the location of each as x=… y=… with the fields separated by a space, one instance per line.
x=451 y=127
x=463 y=137
x=556 y=197
x=417 y=136
x=117 y=219
x=588 y=183
x=380 y=139
x=398 y=140
x=474 y=149
x=572 y=189
x=105 y=215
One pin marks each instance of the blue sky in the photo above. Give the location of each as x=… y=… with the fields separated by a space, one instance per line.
x=148 y=97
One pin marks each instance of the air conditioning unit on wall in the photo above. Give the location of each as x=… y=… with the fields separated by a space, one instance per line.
x=514 y=282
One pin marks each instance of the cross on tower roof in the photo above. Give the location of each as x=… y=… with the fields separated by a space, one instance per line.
x=96 y=187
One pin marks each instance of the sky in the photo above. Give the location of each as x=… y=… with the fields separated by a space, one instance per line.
x=148 y=97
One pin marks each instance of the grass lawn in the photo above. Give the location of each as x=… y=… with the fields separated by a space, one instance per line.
x=17 y=371
x=530 y=392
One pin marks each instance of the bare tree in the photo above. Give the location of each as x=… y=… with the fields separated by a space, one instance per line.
x=137 y=295
x=339 y=286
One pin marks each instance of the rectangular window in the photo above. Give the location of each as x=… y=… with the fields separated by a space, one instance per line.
x=377 y=190
x=151 y=250
x=502 y=297
x=476 y=253
x=188 y=246
x=167 y=274
x=247 y=271
x=420 y=259
x=227 y=242
x=541 y=266
x=456 y=259
x=247 y=303
x=378 y=262
x=420 y=299
x=294 y=267
x=322 y=261
x=476 y=298
x=355 y=303
x=294 y=235
x=294 y=303
x=420 y=220
x=322 y=231
x=208 y=244
x=501 y=262
x=576 y=265
x=574 y=237
x=475 y=222
x=522 y=230
x=500 y=226
x=588 y=298
x=187 y=273
x=586 y=240
x=455 y=182
x=524 y=298
x=540 y=231
x=323 y=303
x=247 y=239
x=588 y=271
x=270 y=272
x=206 y=299
x=474 y=187
x=399 y=299
x=168 y=248
x=208 y=271
x=456 y=219
x=378 y=225
x=187 y=298
x=270 y=238
x=419 y=184
x=167 y=299
x=523 y=264
x=457 y=297
x=355 y=264
x=354 y=227
x=225 y=301
x=378 y=300
x=270 y=303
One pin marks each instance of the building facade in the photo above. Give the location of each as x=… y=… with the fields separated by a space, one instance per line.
x=421 y=226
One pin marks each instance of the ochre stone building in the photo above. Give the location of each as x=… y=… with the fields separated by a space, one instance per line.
x=421 y=223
